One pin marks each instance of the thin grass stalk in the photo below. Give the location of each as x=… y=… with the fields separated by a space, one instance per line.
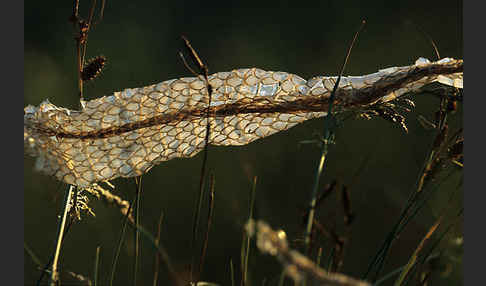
x=319 y=256
x=380 y=257
x=46 y=266
x=32 y=255
x=162 y=252
x=442 y=235
x=281 y=279
x=427 y=256
x=390 y=236
x=38 y=263
x=389 y=275
x=328 y=134
x=431 y=158
x=413 y=198
x=232 y=272
x=67 y=202
x=203 y=70
x=54 y=274
x=420 y=203
x=85 y=45
x=415 y=203
x=398 y=270
x=120 y=242
x=157 y=255
x=330 y=259
x=138 y=182
x=96 y=266
x=208 y=226
x=413 y=258
x=197 y=214
x=250 y=218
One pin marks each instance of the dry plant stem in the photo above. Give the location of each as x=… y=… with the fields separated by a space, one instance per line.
x=328 y=134
x=67 y=202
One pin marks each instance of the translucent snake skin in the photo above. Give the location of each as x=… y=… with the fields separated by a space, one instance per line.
x=129 y=132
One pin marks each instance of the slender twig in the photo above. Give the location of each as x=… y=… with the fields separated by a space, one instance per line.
x=67 y=204
x=328 y=134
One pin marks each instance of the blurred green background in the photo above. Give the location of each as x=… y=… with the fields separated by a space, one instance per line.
x=141 y=41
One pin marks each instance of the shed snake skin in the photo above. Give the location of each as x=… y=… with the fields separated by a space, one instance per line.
x=129 y=132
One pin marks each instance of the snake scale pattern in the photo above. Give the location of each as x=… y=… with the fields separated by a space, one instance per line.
x=129 y=132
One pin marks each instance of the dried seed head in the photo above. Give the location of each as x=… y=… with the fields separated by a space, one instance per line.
x=93 y=68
